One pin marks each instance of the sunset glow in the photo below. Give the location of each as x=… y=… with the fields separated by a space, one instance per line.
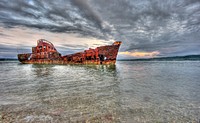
x=141 y=54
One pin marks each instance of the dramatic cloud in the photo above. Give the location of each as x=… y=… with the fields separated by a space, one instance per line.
x=170 y=27
x=73 y=16
x=153 y=24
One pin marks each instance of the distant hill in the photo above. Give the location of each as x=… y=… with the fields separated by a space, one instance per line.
x=7 y=59
x=175 y=58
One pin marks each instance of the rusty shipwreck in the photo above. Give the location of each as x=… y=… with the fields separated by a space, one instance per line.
x=46 y=53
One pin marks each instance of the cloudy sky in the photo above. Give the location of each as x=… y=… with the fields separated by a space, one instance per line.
x=147 y=28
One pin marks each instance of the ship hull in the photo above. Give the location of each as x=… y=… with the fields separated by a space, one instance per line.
x=45 y=53
x=62 y=62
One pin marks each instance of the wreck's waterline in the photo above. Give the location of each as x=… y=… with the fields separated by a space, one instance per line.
x=46 y=53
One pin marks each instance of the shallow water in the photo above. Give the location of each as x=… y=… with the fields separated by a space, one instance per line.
x=129 y=92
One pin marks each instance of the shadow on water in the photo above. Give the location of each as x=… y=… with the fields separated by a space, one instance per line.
x=42 y=70
x=106 y=68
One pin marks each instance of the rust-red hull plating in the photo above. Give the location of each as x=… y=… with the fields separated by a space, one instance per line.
x=46 y=53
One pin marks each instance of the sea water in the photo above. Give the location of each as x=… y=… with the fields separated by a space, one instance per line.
x=128 y=92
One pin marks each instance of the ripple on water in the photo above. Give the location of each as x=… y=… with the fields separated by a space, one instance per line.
x=127 y=92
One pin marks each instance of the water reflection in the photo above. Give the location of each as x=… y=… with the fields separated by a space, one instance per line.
x=42 y=70
x=78 y=92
